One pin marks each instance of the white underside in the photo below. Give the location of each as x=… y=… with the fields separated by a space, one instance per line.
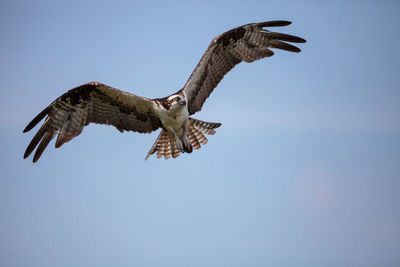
x=176 y=122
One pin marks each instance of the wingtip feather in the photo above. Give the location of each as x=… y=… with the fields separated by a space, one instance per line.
x=275 y=23
x=37 y=119
x=42 y=146
x=301 y=40
x=34 y=142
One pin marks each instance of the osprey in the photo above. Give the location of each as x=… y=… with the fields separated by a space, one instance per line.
x=99 y=103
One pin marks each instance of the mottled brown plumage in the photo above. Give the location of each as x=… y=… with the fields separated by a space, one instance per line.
x=95 y=102
x=246 y=43
x=91 y=102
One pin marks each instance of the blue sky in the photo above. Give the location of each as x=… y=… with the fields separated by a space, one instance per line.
x=304 y=171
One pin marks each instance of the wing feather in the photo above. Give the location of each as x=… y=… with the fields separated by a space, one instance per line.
x=90 y=103
x=246 y=43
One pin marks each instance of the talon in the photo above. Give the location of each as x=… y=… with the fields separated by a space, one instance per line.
x=179 y=145
x=188 y=145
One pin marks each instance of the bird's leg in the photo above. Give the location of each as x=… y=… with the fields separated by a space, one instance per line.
x=186 y=141
x=179 y=144
x=182 y=140
x=178 y=141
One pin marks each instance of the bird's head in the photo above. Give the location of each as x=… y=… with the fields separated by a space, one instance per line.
x=177 y=101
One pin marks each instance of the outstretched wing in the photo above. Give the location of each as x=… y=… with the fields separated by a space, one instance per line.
x=246 y=43
x=91 y=102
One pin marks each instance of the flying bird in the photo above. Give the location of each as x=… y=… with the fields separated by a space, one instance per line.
x=95 y=102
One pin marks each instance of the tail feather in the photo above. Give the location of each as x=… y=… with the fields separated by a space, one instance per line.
x=155 y=146
x=175 y=151
x=165 y=144
x=200 y=136
x=161 y=148
x=204 y=127
x=167 y=148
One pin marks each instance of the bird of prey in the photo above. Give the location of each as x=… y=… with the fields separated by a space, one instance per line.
x=99 y=103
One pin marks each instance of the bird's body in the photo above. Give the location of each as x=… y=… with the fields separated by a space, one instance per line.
x=95 y=102
x=175 y=121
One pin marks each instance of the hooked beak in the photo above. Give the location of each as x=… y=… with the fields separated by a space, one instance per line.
x=182 y=102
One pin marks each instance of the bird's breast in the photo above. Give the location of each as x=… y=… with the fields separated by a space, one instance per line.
x=174 y=118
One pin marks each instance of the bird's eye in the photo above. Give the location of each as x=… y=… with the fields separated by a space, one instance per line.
x=176 y=98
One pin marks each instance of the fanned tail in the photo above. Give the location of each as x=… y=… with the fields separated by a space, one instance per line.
x=204 y=127
x=165 y=144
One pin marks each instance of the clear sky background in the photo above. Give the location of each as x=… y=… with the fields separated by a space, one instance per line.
x=304 y=171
